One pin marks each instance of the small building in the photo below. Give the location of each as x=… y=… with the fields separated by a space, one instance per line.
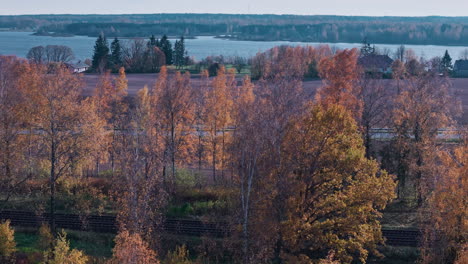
x=376 y=63
x=78 y=67
x=460 y=69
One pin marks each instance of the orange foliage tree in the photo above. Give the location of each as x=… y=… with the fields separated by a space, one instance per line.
x=132 y=249
x=109 y=100
x=140 y=193
x=340 y=74
x=174 y=107
x=445 y=214
x=13 y=144
x=423 y=107
x=218 y=107
x=55 y=112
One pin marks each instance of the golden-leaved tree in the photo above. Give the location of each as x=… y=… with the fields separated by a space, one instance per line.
x=132 y=249
x=337 y=194
x=218 y=104
x=56 y=120
x=109 y=100
x=140 y=193
x=174 y=111
x=423 y=107
x=61 y=253
x=445 y=214
x=13 y=144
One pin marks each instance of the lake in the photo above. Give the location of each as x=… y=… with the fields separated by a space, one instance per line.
x=19 y=43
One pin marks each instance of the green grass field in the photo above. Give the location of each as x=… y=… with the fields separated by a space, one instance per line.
x=93 y=244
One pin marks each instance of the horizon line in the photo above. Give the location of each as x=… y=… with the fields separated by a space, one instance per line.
x=241 y=14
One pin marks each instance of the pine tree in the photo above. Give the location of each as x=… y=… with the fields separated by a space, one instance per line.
x=101 y=54
x=446 y=64
x=116 y=54
x=166 y=47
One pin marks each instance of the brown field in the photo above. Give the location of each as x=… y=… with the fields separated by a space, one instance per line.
x=138 y=81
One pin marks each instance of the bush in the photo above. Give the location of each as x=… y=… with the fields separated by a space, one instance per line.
x=130 y=249
x=62 y=254
x=45 y=238
x=180 y=211
x=179 y=256
x=185 y=179
x=7 y=240
x=213 y=69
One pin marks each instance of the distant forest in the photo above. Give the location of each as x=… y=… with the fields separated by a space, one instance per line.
x=379 y=30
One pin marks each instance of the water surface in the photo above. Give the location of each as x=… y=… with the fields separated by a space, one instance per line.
x=19 y=43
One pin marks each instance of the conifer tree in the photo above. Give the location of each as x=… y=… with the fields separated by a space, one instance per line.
x=166 y=47
x=153 y=42
x=179 y=52
x=446 y=63
x=101 y=54
x=366 y=48
x=116 y=54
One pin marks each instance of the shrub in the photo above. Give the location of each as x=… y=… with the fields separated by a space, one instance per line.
x=7 y=240
x=213 y=69
x=179 y=256
x=45 y=238
x=185 y=179
x=180 y=211
x=131 y=249
x=62 y=254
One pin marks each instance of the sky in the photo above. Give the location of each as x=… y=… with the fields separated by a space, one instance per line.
x=300 y=7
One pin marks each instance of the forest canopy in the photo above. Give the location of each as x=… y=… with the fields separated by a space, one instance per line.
x=388 y=30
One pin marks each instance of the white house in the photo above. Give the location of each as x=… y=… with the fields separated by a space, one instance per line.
x=78 y=67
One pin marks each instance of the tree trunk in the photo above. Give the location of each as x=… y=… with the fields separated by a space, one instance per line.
x=214 y=162
x=368 y=142
x=52 y=187
x=222 y=157
x=173 y=149
x=97 y=167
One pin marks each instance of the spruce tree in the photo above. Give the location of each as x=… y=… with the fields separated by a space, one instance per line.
x=366 y=48
x=116 y=54
x=153 y=42
x=101 y=54
x=446 y=63
x=179 y=52
x=166 y=47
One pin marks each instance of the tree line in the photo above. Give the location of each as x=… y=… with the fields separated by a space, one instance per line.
x=380 y=32
x=310 y=182
x=138 y=55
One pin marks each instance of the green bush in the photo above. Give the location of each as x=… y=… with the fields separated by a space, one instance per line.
x=180 y=211
x=185 y=179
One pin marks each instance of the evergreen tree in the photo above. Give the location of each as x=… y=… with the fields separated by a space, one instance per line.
x=366 y=48
x=446 y=63
x=179 y=52
x=153 y=42
x=166 y=47
x=101 y=54
x=116 y=54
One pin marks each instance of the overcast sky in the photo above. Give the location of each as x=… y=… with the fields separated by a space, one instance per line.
x=303 y=7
